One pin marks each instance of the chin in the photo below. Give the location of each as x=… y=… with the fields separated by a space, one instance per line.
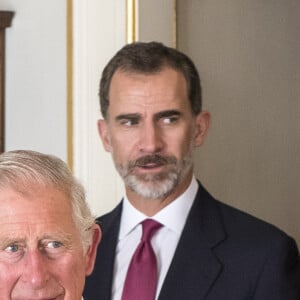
x=152 y=189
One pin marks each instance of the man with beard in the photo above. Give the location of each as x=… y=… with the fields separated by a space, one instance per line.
x=169 y=238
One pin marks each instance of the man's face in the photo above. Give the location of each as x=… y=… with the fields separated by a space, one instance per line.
x=151 y=131
x=41 y=254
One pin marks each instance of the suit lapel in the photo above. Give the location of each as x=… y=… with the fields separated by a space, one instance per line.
x=194 y=267
x=98 y=286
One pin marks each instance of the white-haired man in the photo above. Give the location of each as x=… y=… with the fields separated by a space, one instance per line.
x=48 y=237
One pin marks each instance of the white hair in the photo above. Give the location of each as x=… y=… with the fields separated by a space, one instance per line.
x=21 y=167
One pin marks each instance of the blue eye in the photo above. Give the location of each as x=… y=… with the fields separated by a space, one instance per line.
x=12 y=248
x=13 y=251
x=54 y=244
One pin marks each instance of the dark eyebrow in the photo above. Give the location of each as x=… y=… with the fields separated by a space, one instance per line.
x=127 y=117
x=159 y=115
x=167 y=113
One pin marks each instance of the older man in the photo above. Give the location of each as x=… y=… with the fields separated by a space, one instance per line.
x=48 y=237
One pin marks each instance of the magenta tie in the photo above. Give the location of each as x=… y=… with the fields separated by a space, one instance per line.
x=141 y=278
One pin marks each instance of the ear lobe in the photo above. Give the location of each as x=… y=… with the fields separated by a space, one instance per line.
x=104 y=134
x=91 y=252
x=202 y=126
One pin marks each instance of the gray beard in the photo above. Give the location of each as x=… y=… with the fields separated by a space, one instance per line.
x=160 y=185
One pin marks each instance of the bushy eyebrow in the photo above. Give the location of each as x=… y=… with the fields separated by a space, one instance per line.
x=65 y=238
x=167 y=113
x=159 y=115
x=10 y=240
x=128 y=117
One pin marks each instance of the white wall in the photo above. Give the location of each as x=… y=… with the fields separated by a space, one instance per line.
x=99 y=31
x=36 y=76
x=36 y=85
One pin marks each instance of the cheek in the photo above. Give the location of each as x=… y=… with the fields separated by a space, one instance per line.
x=70 y=272
x=180 y=143
x=123 y=150
x=8 y=279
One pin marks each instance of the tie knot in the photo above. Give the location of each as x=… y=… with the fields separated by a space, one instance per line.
x=149 y=228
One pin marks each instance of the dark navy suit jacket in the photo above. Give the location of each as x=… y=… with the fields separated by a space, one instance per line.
x=223 y=254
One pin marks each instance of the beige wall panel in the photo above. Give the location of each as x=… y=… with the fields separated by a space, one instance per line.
x=156 y=21
x=248 y=54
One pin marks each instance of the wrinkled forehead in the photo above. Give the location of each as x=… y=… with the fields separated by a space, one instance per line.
x=37 y=207
x=32 y=194
x=30 y=185
x=161 y=91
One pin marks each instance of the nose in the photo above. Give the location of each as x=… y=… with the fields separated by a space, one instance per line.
x=151 y=139
x=36 y=270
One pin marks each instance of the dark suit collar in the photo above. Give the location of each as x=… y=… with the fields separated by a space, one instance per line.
x=98 y=285
x=195 y=267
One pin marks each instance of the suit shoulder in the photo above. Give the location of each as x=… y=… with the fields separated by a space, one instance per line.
x=235 y=221
x=241 y=222
x=110 y=218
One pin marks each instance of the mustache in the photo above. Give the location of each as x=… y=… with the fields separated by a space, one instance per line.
x=153 y=159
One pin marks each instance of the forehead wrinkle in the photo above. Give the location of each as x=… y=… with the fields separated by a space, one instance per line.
x=34 y=228
x=143 y=105
x=143 y=101
x=146 y=95
x=142 y=93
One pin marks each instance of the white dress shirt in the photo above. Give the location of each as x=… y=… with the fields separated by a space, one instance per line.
x=164 y=242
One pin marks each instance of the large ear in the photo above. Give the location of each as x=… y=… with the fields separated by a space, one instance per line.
x=91 y=252
x=104 y=134
x=201 y=128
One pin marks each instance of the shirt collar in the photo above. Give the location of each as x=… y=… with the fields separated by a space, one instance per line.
x=173 y=216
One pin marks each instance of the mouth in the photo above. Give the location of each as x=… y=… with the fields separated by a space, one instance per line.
x=151 y=169
x=56 y=298
x=151 y=165
x=154 y=163
x=46 y=298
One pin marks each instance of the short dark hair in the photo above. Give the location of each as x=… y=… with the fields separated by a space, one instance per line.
x=148 y=58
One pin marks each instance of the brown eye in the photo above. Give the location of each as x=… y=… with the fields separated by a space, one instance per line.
x=170 y=120
x=129 y=122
